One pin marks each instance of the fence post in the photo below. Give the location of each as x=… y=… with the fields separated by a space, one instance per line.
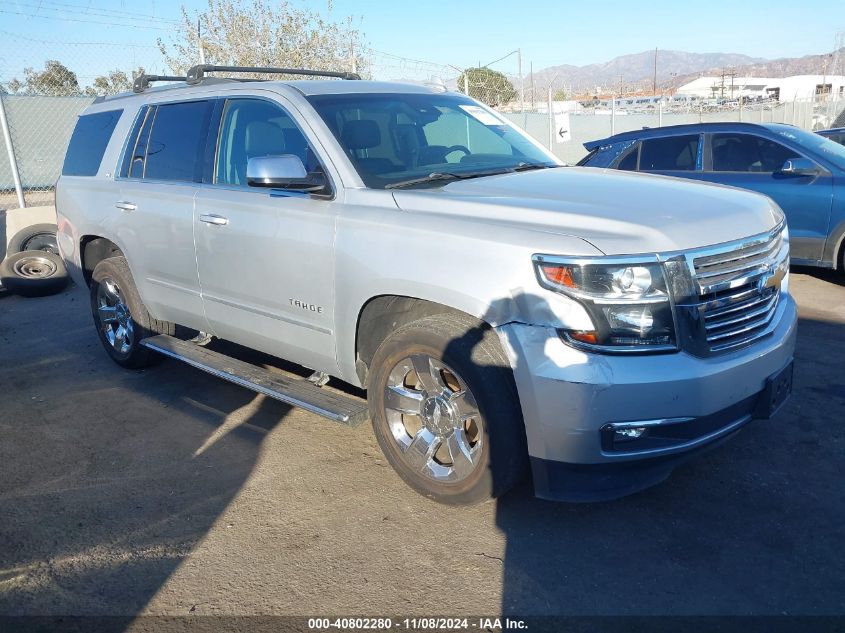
x=660 y=113
x=613 y=116
x=13 y=164
x=551 y=121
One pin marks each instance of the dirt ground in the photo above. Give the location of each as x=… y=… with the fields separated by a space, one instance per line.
x=168 y=491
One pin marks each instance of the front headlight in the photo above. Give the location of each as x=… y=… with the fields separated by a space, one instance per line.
x=628 y=302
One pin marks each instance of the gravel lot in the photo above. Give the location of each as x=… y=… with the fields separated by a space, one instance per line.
x=168 y=491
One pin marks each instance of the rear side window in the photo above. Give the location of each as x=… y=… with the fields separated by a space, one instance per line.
x=88 y=143
x=672 y=153
x=167 y=142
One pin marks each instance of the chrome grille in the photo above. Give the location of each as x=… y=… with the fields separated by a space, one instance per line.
x=738 y=289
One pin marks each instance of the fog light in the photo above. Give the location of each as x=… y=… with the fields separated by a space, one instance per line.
x=629 y=433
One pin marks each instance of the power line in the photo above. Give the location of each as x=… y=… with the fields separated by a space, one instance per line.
x=62 y=7
x=77 y=20
x=63 y=43
x=87 y=9
x=64 y=19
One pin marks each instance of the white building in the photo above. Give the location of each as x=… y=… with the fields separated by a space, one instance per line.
x=795 y=88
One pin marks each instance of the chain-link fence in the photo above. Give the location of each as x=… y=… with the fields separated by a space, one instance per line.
x=597 y=121
x=39 y=104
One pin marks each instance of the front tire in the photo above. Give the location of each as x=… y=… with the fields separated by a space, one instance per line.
x=445 y=410
x=120 y=316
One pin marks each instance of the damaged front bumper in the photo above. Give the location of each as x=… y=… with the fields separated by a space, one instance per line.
x=574 y=402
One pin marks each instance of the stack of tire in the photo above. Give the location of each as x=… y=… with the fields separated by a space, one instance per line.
x=33 y=267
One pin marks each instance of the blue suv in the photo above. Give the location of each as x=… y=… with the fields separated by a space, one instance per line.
x=803 y=172
x=835 y=134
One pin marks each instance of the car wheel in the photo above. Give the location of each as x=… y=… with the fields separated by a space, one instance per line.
x=38 y=237
x=33 y=273
x=120 y=316
x=445 y=410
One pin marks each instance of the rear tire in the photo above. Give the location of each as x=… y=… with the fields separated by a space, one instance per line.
x=120 y=316
x=445 y=410
x=33 y=273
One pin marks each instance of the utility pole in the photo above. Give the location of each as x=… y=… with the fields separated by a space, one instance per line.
x=654 y=82
x=533 y=97
x=730 y=74
x=521 y=81
x=199 y=41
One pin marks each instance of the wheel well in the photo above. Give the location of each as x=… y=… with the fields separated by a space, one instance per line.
x=95 y=249
x=384 y=314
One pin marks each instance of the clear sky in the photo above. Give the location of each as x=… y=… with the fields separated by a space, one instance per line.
x=456 y=32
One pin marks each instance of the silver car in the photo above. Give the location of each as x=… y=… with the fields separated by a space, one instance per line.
x=505 y=313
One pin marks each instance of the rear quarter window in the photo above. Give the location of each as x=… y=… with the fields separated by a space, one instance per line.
x=88 y=143
x=605 y=155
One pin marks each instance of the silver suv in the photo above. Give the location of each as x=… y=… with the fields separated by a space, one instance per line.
x=501 y=310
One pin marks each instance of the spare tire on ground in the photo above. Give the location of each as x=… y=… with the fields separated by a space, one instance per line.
x=33 y=273
x=38 y=237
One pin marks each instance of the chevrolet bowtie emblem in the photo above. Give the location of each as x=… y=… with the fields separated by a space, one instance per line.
x=773 y=279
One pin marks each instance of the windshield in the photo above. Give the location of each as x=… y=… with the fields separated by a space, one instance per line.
x=824 y=147
x=400 y=139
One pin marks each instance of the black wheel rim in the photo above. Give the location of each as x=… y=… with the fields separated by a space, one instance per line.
x=41 y=242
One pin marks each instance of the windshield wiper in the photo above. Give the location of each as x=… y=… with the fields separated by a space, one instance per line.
x=447 y=175
x=450 y=175
x=432 y=177
x=529 y=166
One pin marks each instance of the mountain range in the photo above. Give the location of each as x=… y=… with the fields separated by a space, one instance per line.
x=675 y=68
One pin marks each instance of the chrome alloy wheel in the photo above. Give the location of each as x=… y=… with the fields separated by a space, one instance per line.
x=113 y=315
x=34 y=267
x=434 y=419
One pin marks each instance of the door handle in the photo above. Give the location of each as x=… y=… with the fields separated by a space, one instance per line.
x=217 y=220
x=125 y=206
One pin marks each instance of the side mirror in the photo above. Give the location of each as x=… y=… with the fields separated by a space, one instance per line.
x=282 y=172
x=799 y=167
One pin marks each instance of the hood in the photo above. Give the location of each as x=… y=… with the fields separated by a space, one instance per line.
x=618 y=212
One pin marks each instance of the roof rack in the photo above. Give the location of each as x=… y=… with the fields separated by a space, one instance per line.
x=142 y=82
x=197 y=73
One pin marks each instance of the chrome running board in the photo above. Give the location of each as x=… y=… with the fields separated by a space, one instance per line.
x=297 y=392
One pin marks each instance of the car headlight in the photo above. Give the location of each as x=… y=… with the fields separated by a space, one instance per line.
x=628 y=302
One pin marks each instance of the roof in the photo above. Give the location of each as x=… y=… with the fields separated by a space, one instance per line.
x=333 y=86
x=306 y=87
x=689 y=128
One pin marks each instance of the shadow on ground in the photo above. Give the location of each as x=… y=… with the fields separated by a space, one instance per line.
x=109 y=478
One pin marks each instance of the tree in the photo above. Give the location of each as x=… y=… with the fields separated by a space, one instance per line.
x=487 y=85
x=55 y=80
x=263 y=33
x=116 y=81
x=559 y=95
